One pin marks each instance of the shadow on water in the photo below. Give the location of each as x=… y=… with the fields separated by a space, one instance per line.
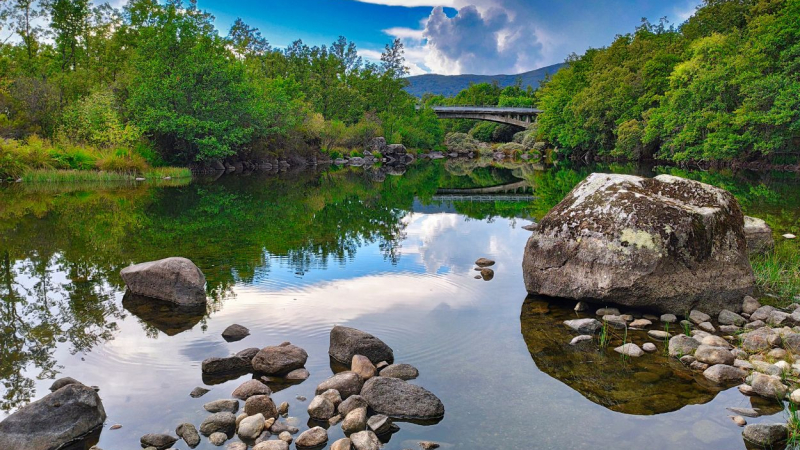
x=652 y=384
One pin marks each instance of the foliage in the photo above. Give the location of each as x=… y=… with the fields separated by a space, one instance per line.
x=778 y=271
x=94 y=120
x=461 y=142
x=483 y=131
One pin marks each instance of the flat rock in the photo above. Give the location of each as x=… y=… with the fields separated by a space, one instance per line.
x=402 y=371
x=484 y=262
x=176 y=280
x=223 y=422
x=607 y=311
x=223 y=405
x=712 y=355
x=401 y=400
x=280 y=359
x=347 y=383
x=231 y=364
x=365 y=440
x=765 y=434
x=715 y=341
x=235 y=333
x=250 y=388
x=584 y=326
x=297 y=375
x=658 y=334
x=747 y=412
x=669 y=318
x=314 y=437
x=727 y=317
x=681 y=345
x=578 y=339
x=160 y=441
x=723 y=374
x=641 y=323
x=346 y=342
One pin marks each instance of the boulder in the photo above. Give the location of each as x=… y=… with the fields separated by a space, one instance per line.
x=352 y=402
x=235 y=333
x=189 y=434
x=279 y=360
x=723 y=374
x=222 y=422
x=250 y=388
x=315 y=437
x=665 y=243
x=61 y=417
x=758 y=235
x=363 y=367
x=727 y=317
x=160 y=441
x=228 y=365
x=321 y=408
x=347 y=342
x=401 y=400
x=765 y=434
x=175 y=280
x=61 y=382
x=760 y=340
x=681 y=345
x=768 y=386
x=347 y=383
x=223 y=405
x=395 y=150
x=377 y=144
x=355 y=420
x=261 y=404
x=402 y=371
x=630 y=349
x=713 y=355
x=365 y=440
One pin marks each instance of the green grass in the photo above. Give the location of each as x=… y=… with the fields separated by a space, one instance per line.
x=81 y=176
x=778 y=272
x=793 y=423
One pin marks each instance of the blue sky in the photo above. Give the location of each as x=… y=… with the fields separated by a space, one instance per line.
x=453 y=36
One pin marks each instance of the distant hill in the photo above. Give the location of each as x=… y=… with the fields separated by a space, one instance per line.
x=450 y=85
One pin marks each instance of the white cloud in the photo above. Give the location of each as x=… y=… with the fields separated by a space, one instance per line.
x=405 y=33
x=412 y=3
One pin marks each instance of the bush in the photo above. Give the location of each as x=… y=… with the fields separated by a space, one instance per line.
x=122 y=161
x=356 y=154
x=461 y=142
x=361 y=134
x=530 y=140
x=519 y=136
x=94 y=120
x=503 y=133
x=629 y=140
x=511 y=148
x=483 y=131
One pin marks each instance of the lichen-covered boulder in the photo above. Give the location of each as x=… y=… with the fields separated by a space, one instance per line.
x=175 y=280
x=664 y=243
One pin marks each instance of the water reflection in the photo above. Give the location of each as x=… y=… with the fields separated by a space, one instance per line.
x=160 y=316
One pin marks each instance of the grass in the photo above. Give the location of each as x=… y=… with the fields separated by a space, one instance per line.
x=605 y=335
x=778 y=272
x=793 y=423
x=81 y=176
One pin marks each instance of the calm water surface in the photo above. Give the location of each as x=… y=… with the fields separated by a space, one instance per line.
x=290 y=255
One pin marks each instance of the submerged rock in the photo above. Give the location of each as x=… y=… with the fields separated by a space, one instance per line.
x=175 y=280
x=721 y=373
x=223 y=422
x=584 y=326
x=681 y=345
x=401 y=400
x=347 y=342
x=189 y=434
x=631 y=240
x=223 y=405
x=630 y=349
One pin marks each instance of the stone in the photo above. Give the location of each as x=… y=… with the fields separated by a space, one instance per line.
x=795 y=396
x=714 y=355
x=754 y=325
x=401 y=400
x=235 y=333
x=697 y=317
x=715 y=341
x=699 y=335
x=629 y=349
x=792 y=343
x=584 y=326
x=251 y=426
x=778 y=353
x=347 y=383
x=61 y=382
x=634 y=241
x=767 y=385
x=698 y=366
x=346 y=342
x=758 y=235
x=658 y=334
x=321 y=408
x=760 y=340
x=53 y=421
x=778 y=318
x=297 y=375
x=160 y=441
x=261 y=404
x=335 y=419
x=379 y=423
x=269 y=422
x=750 y=305
x=189 y=434
x=355 y=420
x=581 y=306
x=742 y=364
x=649 y=347
x=363 y=367
x=723 y=374
x=342 y=444
x=198 y=392
x=231 y=364
x=285 y=436
x=428 y=445
x=762 y=313
x=223 y=422
x=487 y=274
x=377 y=144
x=607 y=312
x=236 y=446
x=578 y=339
x=333 y=396
x=730 y=329
x=738 y=420
x=223 y=405
x=681 y=344
x=402 y=371
x=365 y=440
x=175 y=280
x=239 y=419
x=765 y=434
x=747 y=412
x=352 y=402
x=669 y=318
x=745 y=389
x=707 y=327
x=279 y=360
x=641 y=323
x=250 y=388
x=217 y=438
x=767 y=368
x=314 y=437
x=272 y=445
x=727 y=317
x=484 y=262
x=789 y=236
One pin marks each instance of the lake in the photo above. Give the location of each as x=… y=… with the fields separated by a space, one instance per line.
x=390 y=251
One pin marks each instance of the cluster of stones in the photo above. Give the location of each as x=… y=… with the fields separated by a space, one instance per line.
x=378 y=151
x=486 y=274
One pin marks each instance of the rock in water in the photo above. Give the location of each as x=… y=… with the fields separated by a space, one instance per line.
x=314 y=437
x=401 y=400
x=346 y=383
x=402 y=371
x=365 y=440
x=758 y=235
x=765 y=434
x=235 y=333
x=189 y=434
x=664 y=243
x=347 y=342
x=250 y=388
x=59 y=418
x=175 y=280
x=158 y=440
x=223 y=422
x=279 y=360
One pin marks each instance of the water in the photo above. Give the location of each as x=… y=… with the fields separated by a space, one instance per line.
x=291 y=255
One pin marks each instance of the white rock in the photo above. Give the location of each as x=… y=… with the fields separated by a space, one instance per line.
x=630 y=349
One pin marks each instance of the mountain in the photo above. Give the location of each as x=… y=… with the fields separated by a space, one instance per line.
x=450 y=85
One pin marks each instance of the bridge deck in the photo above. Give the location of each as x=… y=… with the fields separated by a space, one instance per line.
x=486 y=110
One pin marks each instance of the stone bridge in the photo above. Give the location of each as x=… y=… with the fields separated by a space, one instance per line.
x=520 y=117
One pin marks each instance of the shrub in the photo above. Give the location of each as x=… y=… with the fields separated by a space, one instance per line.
x=360 y=134
x=483 y=131
x=95 y=120
x=461 y=142
x=503 y=133
x=122 y=161
x=530 y=140
x=356 y=154
x=629 y=139
x=511 y=148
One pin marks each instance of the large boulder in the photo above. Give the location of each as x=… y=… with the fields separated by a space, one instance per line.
x=347 y=342
x=664 y=243
x=279 y=360
x=401 y=400
x=758 y=235
x=175 y=280
x=395 y=150
x=377 y=144
x=59 y=418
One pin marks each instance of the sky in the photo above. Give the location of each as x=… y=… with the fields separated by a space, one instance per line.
x=453 y=36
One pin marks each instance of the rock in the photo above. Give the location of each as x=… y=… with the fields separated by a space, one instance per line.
x=484 y=262
x=746 y=389
x=760 y=340
x=427 y=445
x=584 y=326
x=727 y=317
x=223 y=405
x=394 y=149
x=697 y=317
x=251 y=426
x=669 y=318
x=758 y=235
x=765 y=434
x=53 y=421
x=335 y=419
x=175 y=280
x=795 y=396
x=261 y=404
x=762 y=313
x=217 y=438
x=272 y=445
x=777 y=353
x=352 y=402
x=578 y=339
x=365 y=440
x=715 y=341
x=347 y=342
x=707 y=327
x=235 y=332
x=314 y=437
x=250 y=388
x=285 y=436
x=778 y=318
x=398 y=399
x=239 y=419
x=681 y=344
x=279 y=360
x=402 y=371
x=297 y=375
x=61 y=382
x=699 y=335
x=341 y=444
x=698 y=366
x=641 y=323
x=649 y=347
x=658 y=334
x=160 y=441
x=792 y=343
x=754 y=325
x=379 y=423
x=742 y=364
x=788 y=236
x=629 y=349
x=362 y=366
x=627 y=239
x=487 y=274
x=767 y=385
x=750 y=305
x=729 y=329
x=231 y=364
x=747 y=412
x=607 y=312
x=189 y=434
x=723 y=374
x=283 y=408
x=355 y=420
x=738 y=420
x=236 y=446
x=581 y=306
x=198 y=392
x=714 y=355
x=347 y=383
x=767 y=368
x=333 y=396
x=321 y=408
x=377 y=144
x=223 y=422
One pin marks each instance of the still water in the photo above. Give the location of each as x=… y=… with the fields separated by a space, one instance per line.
x=290 y=255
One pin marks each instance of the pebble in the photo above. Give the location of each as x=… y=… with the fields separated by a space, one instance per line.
x=218 y=438
x=116 y=426
x=629 y=349
x=698 y=317
x=283 y=409
x=707 y=327
x=314 y=437
x=789 y=236
x=581 y=307
x=738 y=420
x=669 y=318
x=649 y=347
x=198 y=392
x=285 y=436
x=607 y=312
x=641 y=323
x=658 y=334
x=428 y=445
x=484 y=262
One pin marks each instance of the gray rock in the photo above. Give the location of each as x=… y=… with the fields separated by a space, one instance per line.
x=160 y=441
x=399 y=399
x=365 y=440
x=355 y=420
x=347 y=383
x=236 y=446
x=727 y=317
x=758 y=235
x=53 y=421
x=698 y=366
x=714 y=355
x=750 y=305
x=189 y=434
x=607 y=312
x=377 y=144
x=669 y=318
x=754 y=325
x=630 y=349
x=658 y=334
x=347 y=342
x=250 y=388
x=729 y=329
x=333 y=396
x=321 y=408
x=747 y=412
x=218 y=438
x=760 y=340
x=762 y=313
x=363 y=367
x=606 y=241
x=778 y=318
x=649 y=347
x=297 y=375
x=285 y=436
x=768 y=386
x=484 y=262
x=707 y=327
x=352 y=402
x=283 y=408
x=231 y=364
x=272 y=445
x=198 y=392
x=402 y=371
x=765 y=434
x=61 y=382
x=342 y=444
x=791 y=342
x=261 y=404
x=722 y=374
x=175 y=280
x=640 y=323
x=279 y=360
x=697 y=317
x=578 y=339
x=742 y=364
x=223 y=422
x=235 y=333
x=681 y=345
x=223 y=405
x=581 y=306
x=314 y=437
x=715 y=341
x=584 y=326
x=251 y=426
x=379 y=423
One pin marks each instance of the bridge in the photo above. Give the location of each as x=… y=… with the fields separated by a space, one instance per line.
x=510 y=188
x=520 y=117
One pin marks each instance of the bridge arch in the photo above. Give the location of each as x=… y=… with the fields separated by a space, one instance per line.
x=520 y=117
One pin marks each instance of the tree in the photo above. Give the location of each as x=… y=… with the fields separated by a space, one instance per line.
x=69 y=23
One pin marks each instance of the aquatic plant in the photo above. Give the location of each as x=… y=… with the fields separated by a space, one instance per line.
x=778 y=272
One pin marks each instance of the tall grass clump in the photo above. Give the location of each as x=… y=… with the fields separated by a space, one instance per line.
x=778 y=272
